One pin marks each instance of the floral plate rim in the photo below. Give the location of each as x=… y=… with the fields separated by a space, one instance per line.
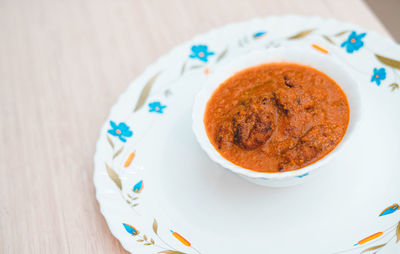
x=131 y=90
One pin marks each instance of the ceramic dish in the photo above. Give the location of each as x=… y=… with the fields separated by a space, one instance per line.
x=160 y=192
x=304 y=56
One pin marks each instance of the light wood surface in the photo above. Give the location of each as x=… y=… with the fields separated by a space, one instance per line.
x=388 y=13
x=62 y=66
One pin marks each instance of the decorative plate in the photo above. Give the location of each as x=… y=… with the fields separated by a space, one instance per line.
x=160 y=193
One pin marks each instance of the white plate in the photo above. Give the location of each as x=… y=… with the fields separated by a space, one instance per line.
x=153 y=177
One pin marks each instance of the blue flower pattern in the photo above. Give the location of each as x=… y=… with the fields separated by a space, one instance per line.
x=201 y=52
x=138 y=187
x=130 y=229
x=121 y=131
x=301 y=176
x=258 y=34
x=390 y=209
x=354 y=42
x=156 y=107
x=378 y=75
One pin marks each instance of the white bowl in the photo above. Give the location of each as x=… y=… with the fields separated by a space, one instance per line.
x=322 y=62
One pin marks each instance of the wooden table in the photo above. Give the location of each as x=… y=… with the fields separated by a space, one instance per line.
x=62 y=66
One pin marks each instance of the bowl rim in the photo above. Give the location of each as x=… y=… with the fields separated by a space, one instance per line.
x=222 y=72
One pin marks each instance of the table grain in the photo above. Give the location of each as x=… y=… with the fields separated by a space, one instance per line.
x=62 y=66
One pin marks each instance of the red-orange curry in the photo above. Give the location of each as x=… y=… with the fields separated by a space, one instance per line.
x=276 y=117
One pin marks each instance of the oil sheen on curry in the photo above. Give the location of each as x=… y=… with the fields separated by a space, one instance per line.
x=276 y=117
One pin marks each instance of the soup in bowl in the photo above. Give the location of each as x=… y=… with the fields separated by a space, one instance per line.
x=274 y=116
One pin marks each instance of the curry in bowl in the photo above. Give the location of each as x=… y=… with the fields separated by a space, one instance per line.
x=276 y=117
